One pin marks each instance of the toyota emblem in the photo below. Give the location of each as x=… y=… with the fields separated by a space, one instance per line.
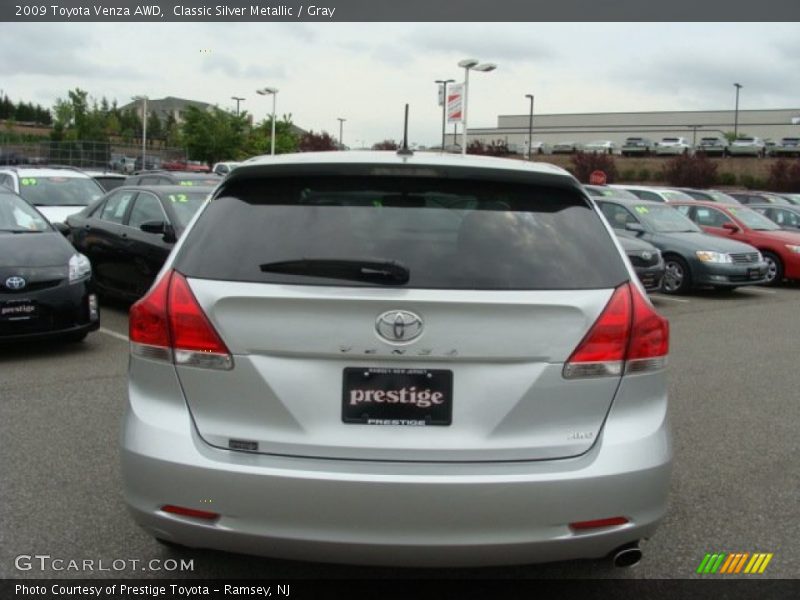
x=15 y=283
x=398 y=326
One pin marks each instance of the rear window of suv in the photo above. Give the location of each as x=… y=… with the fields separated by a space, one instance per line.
x=447 y=233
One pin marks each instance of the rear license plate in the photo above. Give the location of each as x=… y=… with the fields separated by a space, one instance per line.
x=754 y=274
x=410 y=397
x=18 y=310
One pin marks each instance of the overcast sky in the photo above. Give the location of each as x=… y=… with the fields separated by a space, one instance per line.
x=365 y=72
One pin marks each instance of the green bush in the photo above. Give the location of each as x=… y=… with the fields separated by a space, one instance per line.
x=644 y=175
x=727 y=179
x=752 y=183
x=628 y=175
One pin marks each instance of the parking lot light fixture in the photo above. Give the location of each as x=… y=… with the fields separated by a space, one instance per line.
x=470 y=64
x=738 y=86
x=341 y=124
x=267 y=91
x=143 y=99
x=530 y=125
x=238 y=99
x=443 y=83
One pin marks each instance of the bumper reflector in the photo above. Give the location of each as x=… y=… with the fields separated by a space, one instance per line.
x=190 y=512
x=598 y=523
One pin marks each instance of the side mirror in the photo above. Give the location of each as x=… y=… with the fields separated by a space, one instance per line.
x=637 y=227
x=153 y=227
x=62 y=228
x=170 y=237
x=730 y=227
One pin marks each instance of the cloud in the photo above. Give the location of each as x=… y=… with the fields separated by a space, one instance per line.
x=54 y=51
x=490 y=43
x=231 y=67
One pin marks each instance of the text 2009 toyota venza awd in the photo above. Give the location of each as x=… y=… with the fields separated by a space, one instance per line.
x=390 y=359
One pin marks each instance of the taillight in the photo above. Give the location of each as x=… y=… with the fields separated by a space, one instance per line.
x=169 y=324
x=628 y=336
x=190 y=512
x=148 y=329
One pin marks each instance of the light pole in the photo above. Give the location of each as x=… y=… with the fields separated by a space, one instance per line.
x=144 y=128
x=443 y=83
x=341 y=123
x=738 y=86
x=238 y=99
x=530 y=125
x=274 y=92
x=470 y=64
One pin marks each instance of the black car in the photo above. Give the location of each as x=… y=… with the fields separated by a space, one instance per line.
x=129 y=232
x=691 y=258
x=646 y=260
x=45 y=285
x=182 y=178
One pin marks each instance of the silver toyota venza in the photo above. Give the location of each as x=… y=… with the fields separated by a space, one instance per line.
x=382 y=358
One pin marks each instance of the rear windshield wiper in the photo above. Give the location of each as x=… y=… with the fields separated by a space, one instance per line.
x=386 y=272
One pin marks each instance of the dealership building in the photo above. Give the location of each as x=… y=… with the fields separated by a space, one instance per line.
x=586 y=127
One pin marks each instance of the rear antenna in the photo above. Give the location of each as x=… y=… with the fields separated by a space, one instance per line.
x=404 y=151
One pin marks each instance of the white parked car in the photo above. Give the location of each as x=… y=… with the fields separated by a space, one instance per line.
x=538 y=147
x=673 y=146
x=600 y=147
x=56 y=192
x=655 y=193
x=567 y=147
x=788 y=146
x=747 y=146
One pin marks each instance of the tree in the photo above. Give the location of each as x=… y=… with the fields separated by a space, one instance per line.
x=784 y=176
x=385 y=145
x=213 y=135
x=259 y=140
x=731 y=137
x=316 y=142
x=585 y=163
x=155 y=130
x=494 y=148
x=691 y=171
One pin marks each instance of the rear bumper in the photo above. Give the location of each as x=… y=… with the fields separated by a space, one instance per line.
x=423 y=514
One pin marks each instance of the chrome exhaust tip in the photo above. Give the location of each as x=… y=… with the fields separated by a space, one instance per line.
x=627 y=556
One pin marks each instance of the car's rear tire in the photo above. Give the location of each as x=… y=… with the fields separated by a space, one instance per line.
x=774 y=268
x=677 y=277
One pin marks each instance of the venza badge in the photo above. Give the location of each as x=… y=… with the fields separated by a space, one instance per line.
x=398 y=326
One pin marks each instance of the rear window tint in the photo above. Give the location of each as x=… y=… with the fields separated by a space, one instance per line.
x=450 y=234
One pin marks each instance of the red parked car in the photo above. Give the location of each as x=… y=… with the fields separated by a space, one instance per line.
x=780 y=248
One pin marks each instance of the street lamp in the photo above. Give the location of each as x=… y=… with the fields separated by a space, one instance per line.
x=470 y=64
x=341 y=123
x=443 y=83
x=274 y=92
x=144 y=128
x=530 y=125
x=238 y=99
x=738 y=86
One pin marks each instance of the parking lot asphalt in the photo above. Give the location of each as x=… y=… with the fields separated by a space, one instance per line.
x=734 y=407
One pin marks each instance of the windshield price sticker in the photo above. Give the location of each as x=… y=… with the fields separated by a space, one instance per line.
x=178 y=197
x=28 y=181
x=642 y=210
